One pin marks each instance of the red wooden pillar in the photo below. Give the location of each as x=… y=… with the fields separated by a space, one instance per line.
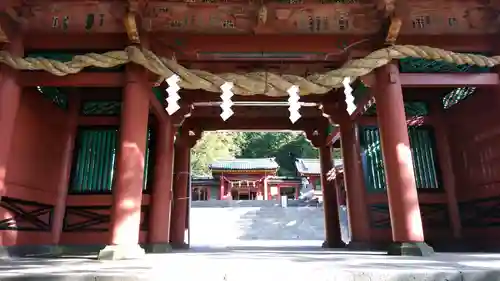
x=128 y=184
x=406 y=223
x=161 y=196
x=63 y=186
x=313 y=180
x=354 y=184
x=10 y=97
x=179 y=220
x=221 y=188
x=446 y=166
x=332 y=225
x=267 y=192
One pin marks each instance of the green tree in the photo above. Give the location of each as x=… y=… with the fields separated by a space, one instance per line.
x=284 y=146
x=212 y=146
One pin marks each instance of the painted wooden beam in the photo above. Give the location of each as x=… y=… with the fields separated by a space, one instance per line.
x=116 y=79
x=440 y=80
x=449 y=80
x=255 y=111
x=192 y=46
x=283 y=123
x=83 y=79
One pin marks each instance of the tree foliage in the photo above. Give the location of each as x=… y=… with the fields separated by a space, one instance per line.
x=284 y=146
x=212 y=146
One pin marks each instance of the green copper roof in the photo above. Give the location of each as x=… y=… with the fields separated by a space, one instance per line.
x=245 y=164
x=204 y=181
x=312 y=166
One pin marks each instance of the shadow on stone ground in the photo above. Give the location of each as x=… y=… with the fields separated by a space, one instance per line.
x=230 y=224
x=264 y=263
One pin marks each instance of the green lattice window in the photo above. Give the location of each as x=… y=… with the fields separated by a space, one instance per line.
x=95 y=161
x=457 y=95
x=56 y=95
x=101 y=108
x=416 y=108
x=424 y=158
x=413 y=65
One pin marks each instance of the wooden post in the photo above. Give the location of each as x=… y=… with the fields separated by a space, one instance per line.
x=406 y=222
x=161 y=196
x=221 y=188
x=128 y=185
x=354 y=183
x=180 y=195
x=10 y=98
x=181 y=188
x=266 y=189
x=446 y=167
x=65 y=172
x=330 y=200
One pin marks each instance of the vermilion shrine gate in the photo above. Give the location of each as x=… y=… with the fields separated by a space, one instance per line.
x=87 y=149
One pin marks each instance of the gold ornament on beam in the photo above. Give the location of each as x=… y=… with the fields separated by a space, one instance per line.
x=393 y=30
x=131 y=27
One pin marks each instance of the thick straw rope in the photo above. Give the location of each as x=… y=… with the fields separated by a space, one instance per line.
x=271 y=84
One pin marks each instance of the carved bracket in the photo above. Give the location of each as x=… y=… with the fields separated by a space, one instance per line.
x=317 y=136
x=180 y=115
x=189 y=137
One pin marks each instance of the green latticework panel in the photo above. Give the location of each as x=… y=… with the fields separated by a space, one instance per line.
x=423 y=152
x=413 y=65
x=372 y=161
x=101 y=108
x=359 y=92
x=424 y=158
x=456 y=96
x=68 y=56
x=95 y=159
x=416 y=108
x=56 y=95
x=159 y=94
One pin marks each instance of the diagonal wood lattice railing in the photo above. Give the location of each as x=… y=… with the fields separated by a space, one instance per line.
x=271 y=84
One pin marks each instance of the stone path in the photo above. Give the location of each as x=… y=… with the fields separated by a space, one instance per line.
x=263 y=263
x=212 y=223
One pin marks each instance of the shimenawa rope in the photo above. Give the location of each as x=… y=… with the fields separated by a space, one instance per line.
x=249 y=83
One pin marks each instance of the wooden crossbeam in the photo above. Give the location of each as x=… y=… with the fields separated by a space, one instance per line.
x=283 y=123
x=116 y=79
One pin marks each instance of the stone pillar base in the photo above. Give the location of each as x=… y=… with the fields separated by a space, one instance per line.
x=121 y=252
x=158 y=248
x=4 y=253
x=332 y=245
x=182 y=246
x=361 y=246
x=420 y=249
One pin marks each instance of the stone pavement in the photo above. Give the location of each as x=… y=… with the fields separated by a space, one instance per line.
x=229 y=222
x=263 y=263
